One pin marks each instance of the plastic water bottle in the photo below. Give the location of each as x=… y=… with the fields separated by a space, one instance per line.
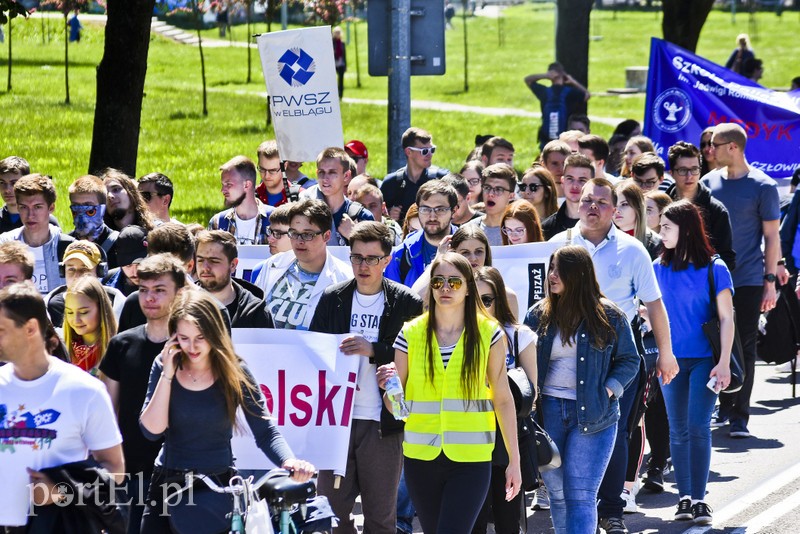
x=394 y=390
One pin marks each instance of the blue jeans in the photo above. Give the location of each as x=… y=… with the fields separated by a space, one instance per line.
x=573 y=486
x=689 y=405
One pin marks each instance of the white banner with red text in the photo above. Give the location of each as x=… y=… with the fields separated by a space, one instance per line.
x=309 y=386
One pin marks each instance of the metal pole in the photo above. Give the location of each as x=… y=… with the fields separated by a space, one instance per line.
x=284 y=14
x=399 y=108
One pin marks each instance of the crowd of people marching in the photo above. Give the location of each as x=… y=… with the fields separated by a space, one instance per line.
x=118 y=351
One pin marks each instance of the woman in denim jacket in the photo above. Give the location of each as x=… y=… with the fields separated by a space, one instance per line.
x=586 y=358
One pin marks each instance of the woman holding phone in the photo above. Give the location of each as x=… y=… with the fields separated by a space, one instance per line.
x=196 y=385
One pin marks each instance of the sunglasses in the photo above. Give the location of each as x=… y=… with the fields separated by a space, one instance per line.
x=487 y=300
x=533 y=187
x=454 y=282
x=425 y=150
x=148 y=195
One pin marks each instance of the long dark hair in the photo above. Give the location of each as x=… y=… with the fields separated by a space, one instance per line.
x=502 y=309
x=200 y=309
x=470 y=371
x=693 y=245
x=580 y=301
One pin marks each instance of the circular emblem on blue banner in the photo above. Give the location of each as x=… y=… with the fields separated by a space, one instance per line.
x=672 y=110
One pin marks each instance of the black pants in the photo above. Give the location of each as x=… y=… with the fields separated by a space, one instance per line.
x=657 y=430
x=448 y=495
x=747 y=302
x=506 y=514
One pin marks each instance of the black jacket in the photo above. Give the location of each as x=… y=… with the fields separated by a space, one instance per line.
x=250 y=312
x=557 y=223
x=716 y=220
x=88 y=488
x=332 y=316
x=107 y=240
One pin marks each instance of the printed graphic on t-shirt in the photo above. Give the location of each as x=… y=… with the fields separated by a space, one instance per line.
x=40 y=271
x=365 y=319
x=21 y=428
x=289 y=299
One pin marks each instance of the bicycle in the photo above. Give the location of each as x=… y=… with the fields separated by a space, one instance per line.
x=281 y=493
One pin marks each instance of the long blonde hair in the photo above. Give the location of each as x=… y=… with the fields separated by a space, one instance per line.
x=91 y=288
x=201 y=309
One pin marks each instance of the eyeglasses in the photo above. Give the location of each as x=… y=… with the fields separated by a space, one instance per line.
x=645 y=184
x=454 y=282
x=488 y=189
x=277 y=234
x=474 y=182
x=487 y=300
x=514 y=231
x=89 y=211
x=686 y=171
x=533 y=187
x=717 y=145
x=303 y=236
x=424 y=150
x=148 y=195
x=264 y=171
x=438 y=210
x=355 y=259
x=705 y=144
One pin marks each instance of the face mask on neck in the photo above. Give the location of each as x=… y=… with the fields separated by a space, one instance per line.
x=88 y=220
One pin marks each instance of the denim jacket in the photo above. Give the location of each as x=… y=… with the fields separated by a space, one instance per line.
x=612 y=367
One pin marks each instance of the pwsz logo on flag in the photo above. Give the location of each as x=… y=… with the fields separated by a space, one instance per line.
x=296 y=67
x=672 y=110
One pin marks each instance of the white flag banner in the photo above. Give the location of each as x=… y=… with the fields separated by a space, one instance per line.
x=252 y=255
x=524 y=269
x=300 y=74
x=309 y=386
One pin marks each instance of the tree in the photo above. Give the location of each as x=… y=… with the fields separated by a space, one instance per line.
x=683 y=20
x=120 y=85
x=66 y=7
x=572 y=39
x=327 y=11
x=10 y=9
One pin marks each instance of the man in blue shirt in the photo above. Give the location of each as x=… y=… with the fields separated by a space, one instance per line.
x=751 y=199
x=558 y=101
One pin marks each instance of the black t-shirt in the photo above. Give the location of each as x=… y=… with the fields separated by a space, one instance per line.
x=128 y=360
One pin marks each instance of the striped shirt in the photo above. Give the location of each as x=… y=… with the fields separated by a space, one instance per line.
x=447 y=350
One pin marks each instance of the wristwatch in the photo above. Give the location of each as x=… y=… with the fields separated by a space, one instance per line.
x=770 y=277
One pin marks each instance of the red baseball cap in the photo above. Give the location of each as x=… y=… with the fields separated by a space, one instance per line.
x=357 y=148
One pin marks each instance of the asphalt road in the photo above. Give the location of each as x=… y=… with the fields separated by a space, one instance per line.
x=754 y=483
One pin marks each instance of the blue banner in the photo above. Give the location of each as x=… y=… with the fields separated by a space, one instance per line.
x=687 y=93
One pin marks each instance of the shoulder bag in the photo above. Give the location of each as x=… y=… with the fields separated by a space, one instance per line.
x=711 y=330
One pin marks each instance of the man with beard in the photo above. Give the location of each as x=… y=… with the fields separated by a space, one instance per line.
x=246 y=218
x=216 y=259
x=87 y=197
x=436 y=201
x=126 y=206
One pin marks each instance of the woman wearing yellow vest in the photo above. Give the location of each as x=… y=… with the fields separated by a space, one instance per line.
x=451 y=362
x=586 y=357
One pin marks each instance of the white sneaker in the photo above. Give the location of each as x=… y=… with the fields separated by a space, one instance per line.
x=630 y=502
x=541 y=500
x=636 y=487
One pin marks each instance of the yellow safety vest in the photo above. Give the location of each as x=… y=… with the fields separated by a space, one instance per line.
x=440 y=418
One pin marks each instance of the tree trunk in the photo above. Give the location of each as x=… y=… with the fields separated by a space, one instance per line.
x=120 y=86
x=466 y=45
x=198 y=24
x=249 y=38
x=572 y=40
x=66 y=57
x=683 y=20
x=8 y=87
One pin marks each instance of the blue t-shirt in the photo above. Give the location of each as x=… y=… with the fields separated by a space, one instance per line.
x=428 y=252
x=750 y=201
x=686 y=298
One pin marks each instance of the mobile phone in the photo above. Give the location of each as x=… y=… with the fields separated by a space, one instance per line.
x=712 y=384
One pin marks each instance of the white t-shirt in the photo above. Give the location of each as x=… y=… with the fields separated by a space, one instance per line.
x=53 y=420
x=245 y=230
x=525 y=336
x=365 y=319
x=39 y=270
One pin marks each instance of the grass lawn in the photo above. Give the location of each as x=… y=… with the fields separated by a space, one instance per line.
x=176 y=139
